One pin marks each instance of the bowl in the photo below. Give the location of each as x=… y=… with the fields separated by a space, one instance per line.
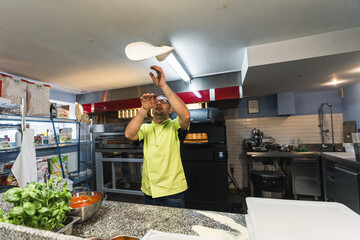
x=88 y=211
x=123 y=237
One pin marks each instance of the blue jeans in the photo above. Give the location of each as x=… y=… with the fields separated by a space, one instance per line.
x=176 y=200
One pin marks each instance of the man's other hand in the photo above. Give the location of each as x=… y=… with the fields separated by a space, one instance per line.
x=147 y=101
x=159 y=80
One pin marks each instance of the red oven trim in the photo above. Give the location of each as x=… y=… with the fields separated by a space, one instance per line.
x=186 y=97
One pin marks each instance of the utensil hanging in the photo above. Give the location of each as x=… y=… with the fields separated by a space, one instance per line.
x=56 y=141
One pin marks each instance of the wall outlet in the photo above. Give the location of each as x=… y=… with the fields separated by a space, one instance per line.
x=341 y=93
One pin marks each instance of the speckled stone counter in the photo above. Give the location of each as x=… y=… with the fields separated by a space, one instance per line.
x=115 y=218
x=119 y=218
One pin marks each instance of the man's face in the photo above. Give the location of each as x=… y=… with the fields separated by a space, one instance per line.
x=162 y=107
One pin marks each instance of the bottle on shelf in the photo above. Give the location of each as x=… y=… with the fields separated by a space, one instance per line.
x=51 y=137
x=7 y=138
x=18 y=139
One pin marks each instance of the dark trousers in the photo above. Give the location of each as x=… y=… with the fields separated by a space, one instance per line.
x=176 y=200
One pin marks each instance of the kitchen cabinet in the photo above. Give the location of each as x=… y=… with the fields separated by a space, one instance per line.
x=342 y=181
x=329 y=179
x=347 y=187
x=206 y=189
x=306 y=176
x=285 y=103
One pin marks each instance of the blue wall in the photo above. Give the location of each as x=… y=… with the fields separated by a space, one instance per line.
x=351 y=104
x=267 y=107
x=306 y=103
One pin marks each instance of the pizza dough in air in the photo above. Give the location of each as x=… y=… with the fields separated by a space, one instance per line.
x=139 y=51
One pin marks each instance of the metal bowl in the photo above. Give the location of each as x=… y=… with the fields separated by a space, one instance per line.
x=123 y=237
x=88 y=211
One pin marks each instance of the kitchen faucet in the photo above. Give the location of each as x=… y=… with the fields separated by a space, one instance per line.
x=326 y=131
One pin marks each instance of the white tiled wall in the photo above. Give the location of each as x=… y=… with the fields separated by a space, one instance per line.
x=283 y=129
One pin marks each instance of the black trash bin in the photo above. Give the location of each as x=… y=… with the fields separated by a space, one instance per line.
x=268 y=184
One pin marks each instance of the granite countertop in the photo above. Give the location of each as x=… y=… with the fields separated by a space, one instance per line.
x=116 y=218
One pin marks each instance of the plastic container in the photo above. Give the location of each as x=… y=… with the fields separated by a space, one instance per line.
x=275 y=219
x=65 y=135
x=18 y=139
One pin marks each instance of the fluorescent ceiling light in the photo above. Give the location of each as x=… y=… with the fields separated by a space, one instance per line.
x=197 y=94
x=334 y=82
x=356 y=70
x=174 y=63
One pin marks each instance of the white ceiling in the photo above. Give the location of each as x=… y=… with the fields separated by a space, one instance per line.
x=80 y=44
x=303 y=75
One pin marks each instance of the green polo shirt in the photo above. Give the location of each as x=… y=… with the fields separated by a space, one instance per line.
x=163 y=173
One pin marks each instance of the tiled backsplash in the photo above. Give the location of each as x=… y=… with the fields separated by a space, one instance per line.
x=283 y=129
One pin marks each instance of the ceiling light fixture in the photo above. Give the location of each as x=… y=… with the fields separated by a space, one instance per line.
x=334 y=82
x=357 y=70
x=197 y=94
x=174 y=63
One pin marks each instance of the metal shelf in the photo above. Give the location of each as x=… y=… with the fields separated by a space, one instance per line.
x=6 y=127
x=4 y=188
x=54 y=145
x=80 y=179
x=36 y=119
x=5 y=172
x=46 y=146
x=11 y=154
x=13 y=149
x=8 y=106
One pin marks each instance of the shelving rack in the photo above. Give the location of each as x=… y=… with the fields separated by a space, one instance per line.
x=83 y=147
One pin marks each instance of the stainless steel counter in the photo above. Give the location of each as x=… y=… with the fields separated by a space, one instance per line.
x=282 y=154
x=339 y=157
x=343 y=158
x=302 y=171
